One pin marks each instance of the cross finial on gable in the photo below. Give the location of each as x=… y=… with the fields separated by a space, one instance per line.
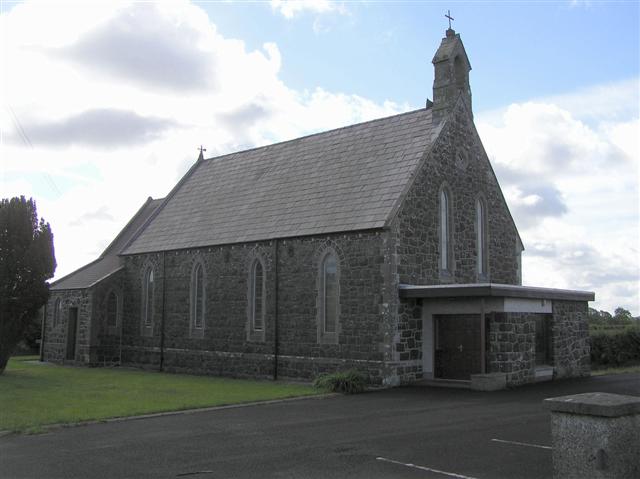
x=201 y=157
x=448 y=15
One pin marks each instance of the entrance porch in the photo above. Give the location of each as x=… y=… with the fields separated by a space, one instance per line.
x=523 y=334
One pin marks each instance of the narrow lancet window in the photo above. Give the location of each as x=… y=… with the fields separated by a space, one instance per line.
x=112 y=310
x=197 y=297
x=57 y=312
x=258 y=296
x=481 y=238
x=444 y=230
x=147 y=298
x=330 y=293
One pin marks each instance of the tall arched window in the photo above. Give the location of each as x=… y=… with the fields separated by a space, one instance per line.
x=112 y=310
x=197 y=297
x=445 y=231
x=257 y=300
x=147 y=297
x=57 y=312
x=481 y=238
x=257 y=296
x=329 y=294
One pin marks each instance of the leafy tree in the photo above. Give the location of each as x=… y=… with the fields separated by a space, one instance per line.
x=27 y=261
x=621 y=314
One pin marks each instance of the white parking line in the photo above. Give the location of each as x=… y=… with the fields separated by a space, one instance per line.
x=423 y=468
x=522 y=444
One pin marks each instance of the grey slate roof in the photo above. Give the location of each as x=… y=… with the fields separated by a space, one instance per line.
x=109 y=262
x=340 y=180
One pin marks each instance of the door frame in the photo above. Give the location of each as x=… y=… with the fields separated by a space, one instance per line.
x=444 y=307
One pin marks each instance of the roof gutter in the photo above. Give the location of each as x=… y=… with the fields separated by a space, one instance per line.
x=492 y=290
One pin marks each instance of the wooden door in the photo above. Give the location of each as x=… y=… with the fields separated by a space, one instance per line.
x=72 y=326
x=458 y=351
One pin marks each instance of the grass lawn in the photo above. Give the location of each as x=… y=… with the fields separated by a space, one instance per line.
x=622 y=370
x=34 y=394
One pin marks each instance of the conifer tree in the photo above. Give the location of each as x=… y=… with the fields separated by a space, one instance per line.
x=27 y=261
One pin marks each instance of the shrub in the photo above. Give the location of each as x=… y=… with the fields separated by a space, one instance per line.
x=347 y=382
x=614 y=350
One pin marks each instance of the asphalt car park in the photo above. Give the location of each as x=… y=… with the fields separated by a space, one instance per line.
x=409 y=432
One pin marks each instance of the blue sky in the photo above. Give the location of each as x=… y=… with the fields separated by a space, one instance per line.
x=105 y=103
x=383 y=50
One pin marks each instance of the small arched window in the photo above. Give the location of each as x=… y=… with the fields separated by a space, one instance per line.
x=481 y=238
x=445 y=231
x=329 y=293
x=112 y=310
x=257 y=296
x=197 y=297
x=57 y=312
x=147 y=297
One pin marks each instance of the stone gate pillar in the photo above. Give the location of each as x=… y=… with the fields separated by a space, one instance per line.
x=595 y=435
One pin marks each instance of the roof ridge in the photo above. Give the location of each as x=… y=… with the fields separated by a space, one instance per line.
x=346 y=127
x=148 y=201
x=158 y=209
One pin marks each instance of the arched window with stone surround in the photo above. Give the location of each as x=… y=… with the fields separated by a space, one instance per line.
x=148 y=291
x=197 y=297
x=444 y=216
x=258 y=294
x=57 y=312
x=257 y=299
x=328 y=297
x=481 y=238
x=112 y=309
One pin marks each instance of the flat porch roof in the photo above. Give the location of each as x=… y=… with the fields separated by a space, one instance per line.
x=491 y=290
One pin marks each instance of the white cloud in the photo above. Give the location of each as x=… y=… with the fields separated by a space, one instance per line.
x=569 y=170
x=291 y=8
x=64 y=70
x=568 y=164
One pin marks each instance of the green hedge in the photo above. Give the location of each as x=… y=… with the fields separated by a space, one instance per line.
x=615 y=350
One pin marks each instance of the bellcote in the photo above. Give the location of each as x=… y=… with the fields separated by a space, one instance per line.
x=451 y=76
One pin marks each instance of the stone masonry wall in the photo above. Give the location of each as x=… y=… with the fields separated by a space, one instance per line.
x=512 y=346
x=571 y=346
x=224 y=347
x=409 y=340
x=458 y=160
x=55 y=338
x=105 y=340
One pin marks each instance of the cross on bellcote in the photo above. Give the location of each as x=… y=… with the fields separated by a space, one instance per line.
x=448 y=15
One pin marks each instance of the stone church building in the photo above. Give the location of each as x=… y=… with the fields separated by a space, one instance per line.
x=385 y=246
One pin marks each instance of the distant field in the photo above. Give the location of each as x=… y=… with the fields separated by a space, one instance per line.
x=34 y=394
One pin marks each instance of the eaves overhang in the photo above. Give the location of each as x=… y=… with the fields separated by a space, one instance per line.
x=476 y=290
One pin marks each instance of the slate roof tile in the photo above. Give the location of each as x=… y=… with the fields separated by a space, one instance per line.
x=340 y=180
x=109 y=262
